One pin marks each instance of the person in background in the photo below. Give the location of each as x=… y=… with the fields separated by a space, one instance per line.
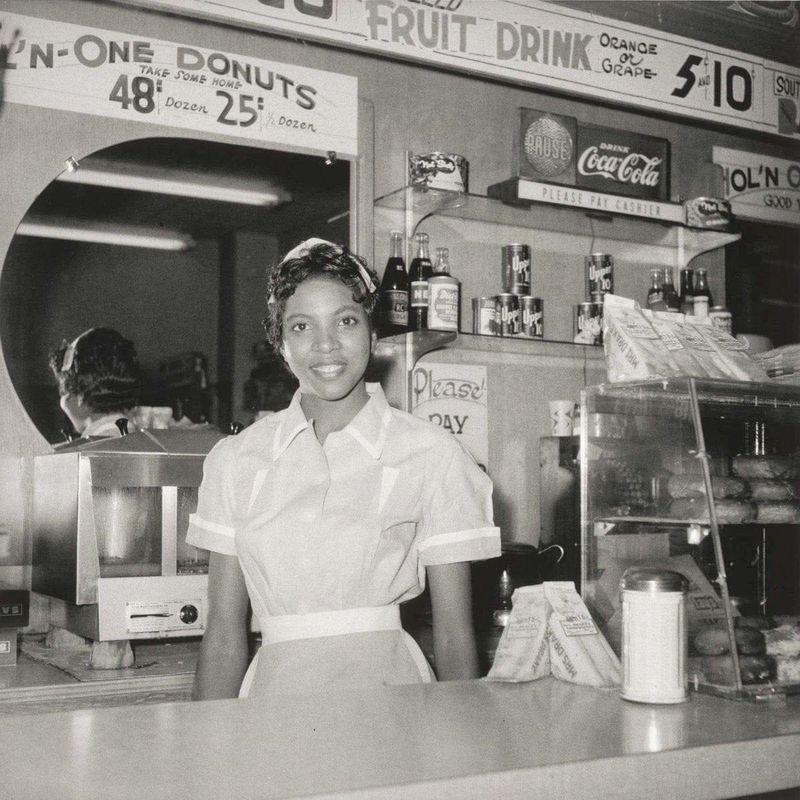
x=98 y=380
x=270 y=387
x=328 y=514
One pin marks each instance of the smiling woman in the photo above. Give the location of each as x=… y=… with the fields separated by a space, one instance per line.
x=331 y=513
x=324 y=329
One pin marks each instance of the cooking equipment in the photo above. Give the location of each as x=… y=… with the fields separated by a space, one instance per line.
x=109 y=534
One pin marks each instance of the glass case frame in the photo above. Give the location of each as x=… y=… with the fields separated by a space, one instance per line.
x=643 y=446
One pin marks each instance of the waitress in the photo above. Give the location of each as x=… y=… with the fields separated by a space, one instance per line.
x=98 y=381
x=327 y=515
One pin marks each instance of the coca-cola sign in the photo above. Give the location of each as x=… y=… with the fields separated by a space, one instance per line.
x=620 y=162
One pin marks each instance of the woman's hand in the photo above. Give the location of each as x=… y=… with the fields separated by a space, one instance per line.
x=453 y=633
x=223 y=653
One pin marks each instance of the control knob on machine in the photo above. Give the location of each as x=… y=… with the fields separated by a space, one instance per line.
x=188 y=614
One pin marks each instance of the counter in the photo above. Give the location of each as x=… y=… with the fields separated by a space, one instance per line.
x=545 y=739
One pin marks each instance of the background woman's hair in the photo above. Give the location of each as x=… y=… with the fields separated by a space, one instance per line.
x=104 y=369
x=334 y=261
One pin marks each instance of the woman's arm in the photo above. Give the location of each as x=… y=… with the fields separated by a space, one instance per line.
x=223 y=653
x=453 y=633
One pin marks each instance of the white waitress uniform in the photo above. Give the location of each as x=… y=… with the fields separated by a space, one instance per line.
x=332 y=537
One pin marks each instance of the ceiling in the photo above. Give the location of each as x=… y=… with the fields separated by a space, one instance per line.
x=318 y=191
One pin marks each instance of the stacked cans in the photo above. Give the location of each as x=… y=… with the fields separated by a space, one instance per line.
x=588 y=316
x=513 y=312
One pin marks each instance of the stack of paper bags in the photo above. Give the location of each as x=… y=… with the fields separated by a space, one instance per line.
x=550 y=632
x=640 y=344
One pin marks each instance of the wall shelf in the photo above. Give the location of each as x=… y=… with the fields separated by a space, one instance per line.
x=476 y=226
x=419 y=205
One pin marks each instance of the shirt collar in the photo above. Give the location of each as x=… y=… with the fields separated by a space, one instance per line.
x=293 y=421
x=369 y=427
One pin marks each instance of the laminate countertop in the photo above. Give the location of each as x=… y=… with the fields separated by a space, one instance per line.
x=545 y=739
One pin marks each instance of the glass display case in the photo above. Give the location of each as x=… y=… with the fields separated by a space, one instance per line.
x=702 y=477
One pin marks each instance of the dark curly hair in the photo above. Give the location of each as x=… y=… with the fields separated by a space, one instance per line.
x=102 y=366
x=321 y=259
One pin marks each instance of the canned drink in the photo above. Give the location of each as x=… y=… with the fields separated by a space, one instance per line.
x=721 y=318
x=588 y=323
x=483 y=316
x=531 y=317
x=506 y=314
x=599 y=273
x=516 y=269
x=597 y=297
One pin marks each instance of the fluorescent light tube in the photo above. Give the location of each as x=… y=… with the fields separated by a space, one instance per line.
x=104 y=233
x=138 y=178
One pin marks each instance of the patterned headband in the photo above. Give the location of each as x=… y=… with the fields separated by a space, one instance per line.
x=304 y=247
x=69 y=353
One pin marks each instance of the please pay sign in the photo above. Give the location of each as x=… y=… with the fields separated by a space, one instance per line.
x=454 y=397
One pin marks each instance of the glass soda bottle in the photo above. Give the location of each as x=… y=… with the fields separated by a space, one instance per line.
x=444 y=295
x=701 y=286
x=418 y=274
x=393 y=318
x=671 y=299
x=687 y=291
x=655 y=295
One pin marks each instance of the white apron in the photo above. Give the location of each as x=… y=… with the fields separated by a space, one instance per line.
x=354 y=646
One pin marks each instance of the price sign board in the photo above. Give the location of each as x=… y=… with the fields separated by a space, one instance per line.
x=540 y=44
x=455 y=397
x=759 y=187
x=74 y=68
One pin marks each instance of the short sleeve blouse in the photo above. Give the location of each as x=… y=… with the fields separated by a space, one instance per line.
x=347 y=524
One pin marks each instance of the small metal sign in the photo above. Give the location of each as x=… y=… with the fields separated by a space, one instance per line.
x=622 y=162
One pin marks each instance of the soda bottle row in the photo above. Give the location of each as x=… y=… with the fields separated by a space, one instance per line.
x=426 y=297
x=694 y=297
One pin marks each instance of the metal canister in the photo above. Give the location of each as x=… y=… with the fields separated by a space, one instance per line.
x=507 y=314
x=483 y=316
x=721 y=318
x=654 y=636
x=599 y=273
x=531 y=317
x=588 y=323
x=516 y=269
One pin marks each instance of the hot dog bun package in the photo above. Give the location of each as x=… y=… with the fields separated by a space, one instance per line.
x=633 y=349
x=523 y=652
x=666 y=327
x=693 y=354
x=734 y=359
x=704 y=606
x=641 y=344
x=551 y=632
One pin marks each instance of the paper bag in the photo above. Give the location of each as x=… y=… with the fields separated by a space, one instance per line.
x=523 y=652
x=550 y=631
x=578 y=651
x=633 y=349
